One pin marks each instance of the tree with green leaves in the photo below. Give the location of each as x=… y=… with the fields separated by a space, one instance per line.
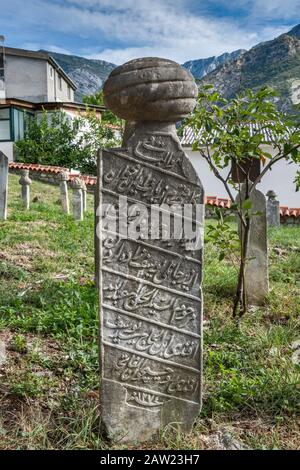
x=56 y=139
x=231 y=136
x=108 y=116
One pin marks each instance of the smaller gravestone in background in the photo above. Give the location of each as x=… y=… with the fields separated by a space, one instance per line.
x=273 y=210
x=25 y=182
x=3 y=185
x=64 y=196
x=77 y=199
x=84 y=193
x=256 y=272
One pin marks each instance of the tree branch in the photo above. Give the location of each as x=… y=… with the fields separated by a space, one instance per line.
x=269 y=166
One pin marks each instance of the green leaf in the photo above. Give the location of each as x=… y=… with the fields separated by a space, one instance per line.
x=247 y=204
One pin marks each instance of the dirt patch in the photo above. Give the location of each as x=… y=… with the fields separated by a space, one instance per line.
x=29 y=357
x=35 y=379
x=24 y=254
x=43 y=224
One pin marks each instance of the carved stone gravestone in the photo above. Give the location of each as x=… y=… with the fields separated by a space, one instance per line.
x=149 y=284
x=3 y=185
x=64 y=196
x=25 y=183
x=273 y=210
x=256 y=272
x=77 y=199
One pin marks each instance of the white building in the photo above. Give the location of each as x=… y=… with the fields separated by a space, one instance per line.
x=29 y=83
x=35 y=77
x=280 y=178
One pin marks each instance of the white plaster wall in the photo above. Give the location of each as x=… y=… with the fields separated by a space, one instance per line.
x=62 y=95
x=29 y=79
x=8 y=149
x=280 y=179
x=51 y=83
x=26 y=78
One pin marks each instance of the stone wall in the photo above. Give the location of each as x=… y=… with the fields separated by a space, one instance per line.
x=285 y=219
x=44 y=177
x=52 y=177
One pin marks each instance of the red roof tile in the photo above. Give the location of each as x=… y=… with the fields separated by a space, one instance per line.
x=213 y=200
x=37 y=167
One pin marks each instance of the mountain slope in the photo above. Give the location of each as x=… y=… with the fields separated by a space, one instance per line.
x=88 y=74
x=274 y=63
x=201 y=67
x=295 y=31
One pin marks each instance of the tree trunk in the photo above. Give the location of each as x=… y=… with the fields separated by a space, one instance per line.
x=240 y=300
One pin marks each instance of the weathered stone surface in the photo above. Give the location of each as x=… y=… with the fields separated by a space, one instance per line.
x=97 y=217
x=150 y=294
x=64 y=194
x=223 y=439
x=273 y=210
x=84 y=195
x=25 y=182
x=149 y=286
x=256 y=272
x=77 y=199
x=150 y=89
x=3 y=185
x=2 y=353
x=296 y=352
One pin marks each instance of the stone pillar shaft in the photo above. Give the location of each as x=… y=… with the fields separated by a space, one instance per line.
x=77 y=200
x=64 y=193
x=273 y=210
x=64 y=196
x=84 y=196
x=25 y=183
x=3 y=186
x=25 y=190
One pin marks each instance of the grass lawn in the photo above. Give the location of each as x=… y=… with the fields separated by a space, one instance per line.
x=48 y=322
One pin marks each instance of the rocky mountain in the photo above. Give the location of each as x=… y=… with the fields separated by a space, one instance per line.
x=201 y=67
x=295 y=31
x=275 y=63
x=88 y=74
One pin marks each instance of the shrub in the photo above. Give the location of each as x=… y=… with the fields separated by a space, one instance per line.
x=56 y=139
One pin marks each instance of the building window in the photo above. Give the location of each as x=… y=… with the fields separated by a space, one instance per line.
x=5 y=128
x=19 y=122
x=51 y=72
x=69 y=92
x=13 y=124
x=59 y=83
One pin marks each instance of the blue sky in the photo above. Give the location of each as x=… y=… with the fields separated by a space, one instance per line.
x=120 y=30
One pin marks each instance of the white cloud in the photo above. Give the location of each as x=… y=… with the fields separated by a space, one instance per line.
x=146 y=27
x=275 y=9
x=35 y=46
x=60 y=50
